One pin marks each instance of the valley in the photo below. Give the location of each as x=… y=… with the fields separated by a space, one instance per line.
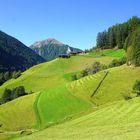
x=59 y=109
x=56 y=92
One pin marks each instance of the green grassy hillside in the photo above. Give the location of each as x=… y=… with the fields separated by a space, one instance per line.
x=62 y=103
x=111 y=115
x=38 y=77
x=18 y=114
x=58 y=105
x=92 y=107
x=118 y=53
x=85 y=87
x=117 y=121
x=44 y=77
x=117 y=84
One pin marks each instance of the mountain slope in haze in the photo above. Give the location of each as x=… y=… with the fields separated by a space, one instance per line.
x=14 y=55
x=51 y=48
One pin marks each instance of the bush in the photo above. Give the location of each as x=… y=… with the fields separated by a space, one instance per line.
x=9 y=95
x=16 y=74
x=136 y=87
x=74 y=77
x=117 y=62
x=127 y=97
x=8 y=75
x=95 y=68
x=84 y=73
x=122 y=60
x=1 y=78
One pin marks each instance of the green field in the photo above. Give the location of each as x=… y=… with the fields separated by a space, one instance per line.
x=38 y=77
x=118 y=121
x=18 y=114
x=58 y=105
x=109 y=52
x=92 y=107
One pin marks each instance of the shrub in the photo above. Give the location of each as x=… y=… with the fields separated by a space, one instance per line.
x=9 y=95
x=74 y=77
x=136 y=87
x=18 y=91
x=122 y=60
x=117 y=62
x=95 y=68
x=114 y=63
x=127 y=97
x=7 y=75
x=1 y=78
x=84 y=72
x=15 y=74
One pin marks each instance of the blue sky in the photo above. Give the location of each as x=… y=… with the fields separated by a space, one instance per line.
x=73 y=22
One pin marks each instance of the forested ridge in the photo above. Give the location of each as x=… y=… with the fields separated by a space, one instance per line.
x=126 y=36
x=14 y=55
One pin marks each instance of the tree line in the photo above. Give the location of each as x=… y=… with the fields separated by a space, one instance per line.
x=116 y=35
x=123 y=36
x=11 y=94
x=5 y=76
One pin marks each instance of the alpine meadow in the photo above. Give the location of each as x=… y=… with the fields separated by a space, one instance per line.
x=53 y=91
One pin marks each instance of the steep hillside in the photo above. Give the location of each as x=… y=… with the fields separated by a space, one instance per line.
x=50 y=49
x=18 y=114
x=59 y=102
x=14 y=55
x=111 y=116
x=118 y=121
x=38 y=77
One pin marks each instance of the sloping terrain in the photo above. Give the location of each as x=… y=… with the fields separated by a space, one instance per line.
x=18 y=114
x=58 y=105
x=118 y=53
x=112 y=117
x=93 y=107
x=38 y=77
x=117 y=121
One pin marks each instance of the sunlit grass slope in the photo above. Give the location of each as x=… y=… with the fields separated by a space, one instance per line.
x=42 y=78
x=117 y=121
x=117 y=84
x=58 y=105
x=118 y=53
x=63 y=102
x=60 y=100
x=18 y=114
x=51 y=74
x=113 y=114
x=85 y=87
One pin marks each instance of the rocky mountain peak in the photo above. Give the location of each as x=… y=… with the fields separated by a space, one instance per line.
x=48 y=41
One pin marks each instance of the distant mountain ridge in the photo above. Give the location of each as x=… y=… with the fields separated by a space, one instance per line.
x=14 y=55
x=39 y=44
x=51 y=48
